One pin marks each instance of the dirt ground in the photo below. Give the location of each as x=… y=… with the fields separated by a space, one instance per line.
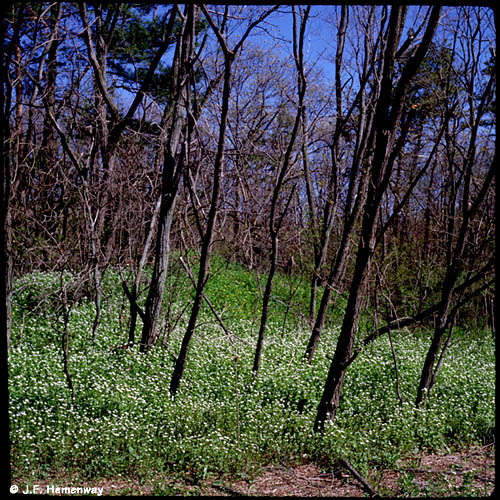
x=470 y=473
x=432 y=470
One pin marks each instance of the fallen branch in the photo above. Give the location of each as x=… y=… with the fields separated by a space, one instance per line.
x=226 y=489
x=212 y=308
x=134 y=303
x=359 y=477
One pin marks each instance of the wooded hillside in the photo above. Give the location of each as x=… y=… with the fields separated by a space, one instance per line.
x=140 y=136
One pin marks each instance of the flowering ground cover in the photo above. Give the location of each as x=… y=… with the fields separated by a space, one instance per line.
x=122 y=423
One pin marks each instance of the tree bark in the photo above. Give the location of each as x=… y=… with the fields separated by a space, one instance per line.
x=7 y=10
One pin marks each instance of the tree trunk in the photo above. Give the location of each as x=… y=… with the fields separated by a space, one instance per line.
x=456 y=249
x=330 y=398
x=321 y=238
x=387 y=116
x=428 y=373
x=170 y=182
x=356 y=192
x=172 y=171
x=229 y=57
x=138 y=277
x=180 y=363
x=7 y=12
x=274 y=226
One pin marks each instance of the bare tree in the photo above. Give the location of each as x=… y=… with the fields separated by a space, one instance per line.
x=172 y=170
x=455 y=261
x=275 y=221
x=358 y=178
x=108 y=133
x=386 y=147
x=465 y=180
x=321 y=233
x=229 y=57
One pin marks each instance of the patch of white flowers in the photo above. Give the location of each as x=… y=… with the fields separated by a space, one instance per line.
x=123 y=417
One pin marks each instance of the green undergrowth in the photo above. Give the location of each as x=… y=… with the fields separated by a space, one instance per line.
x=223 y=420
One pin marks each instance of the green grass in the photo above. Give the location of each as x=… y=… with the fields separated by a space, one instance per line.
x=223 y=421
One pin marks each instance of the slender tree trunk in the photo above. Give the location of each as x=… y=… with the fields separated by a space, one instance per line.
x=138 y=277
x=274 y=226
x=180 y=363
x=171 y=174
x=455 y=252
x=96 y=212
x=321 y=237
x=340 y=261
x=356 y=192
x=48 y=139
x=172 y=171
x=7 y=11
x=266 y=299
x=5 y=253
x=331 y=283
x=330 y=398
x=429 y=373
x=109 y=125
x=229 y=57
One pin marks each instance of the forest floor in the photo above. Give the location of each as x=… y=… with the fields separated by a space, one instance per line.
x=467 y=473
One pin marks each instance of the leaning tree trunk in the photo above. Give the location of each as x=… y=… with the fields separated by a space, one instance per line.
x=456 y=253
x=387 y=115
x=356 y=191
x=430 y=369
x=330 y=398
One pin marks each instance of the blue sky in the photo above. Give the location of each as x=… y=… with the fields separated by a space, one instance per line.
x=320 y=38
x=321 y=35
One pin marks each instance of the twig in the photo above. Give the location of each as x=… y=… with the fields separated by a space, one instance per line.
x=480 y=477
x=212 y=308
x=480 y=450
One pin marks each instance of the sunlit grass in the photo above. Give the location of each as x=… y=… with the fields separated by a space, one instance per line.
x=223 y=420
